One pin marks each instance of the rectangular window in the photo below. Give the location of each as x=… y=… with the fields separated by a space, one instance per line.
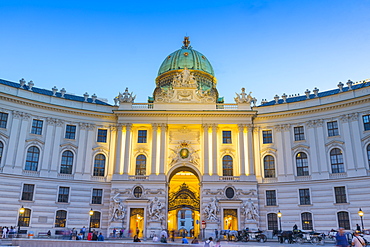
x=141 y=136
x=333 y=128
x=270 y=197
x=102 y=135
x=182 y=223
x=340 y=194
x=36 y=127
x=267 y=136
x=63 y=194
x=3 y=120
x=298 y=133
x=97 y=196
x=304 y=197
x=366 y=120
x=70 y=132
x=226 y=137
x=27 y=193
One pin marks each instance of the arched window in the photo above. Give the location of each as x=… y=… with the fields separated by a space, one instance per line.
x=306 y=221
x=140 y=165
x=368 y=154
x=302 y=164
x=32 y=159
x=272 y=221
x=99 y=165
x=1 y=150
x=61 y=218
x=227 y=166
x=138 y=191
x=269 y=165
x=343 y=220
x=67 y=162
x=95 y=220
x=336 y=160
x=24 y=218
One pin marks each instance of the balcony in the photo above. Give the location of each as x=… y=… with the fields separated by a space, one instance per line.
x=229 y=178
x=31 y=173
x=338 y=175
x=138 y=177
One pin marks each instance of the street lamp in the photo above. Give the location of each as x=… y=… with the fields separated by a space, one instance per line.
x=361 y=214
x=21 y=212
x=91 y=212
x=279 y=214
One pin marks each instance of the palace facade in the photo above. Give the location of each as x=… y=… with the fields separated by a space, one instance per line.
x=185 y=160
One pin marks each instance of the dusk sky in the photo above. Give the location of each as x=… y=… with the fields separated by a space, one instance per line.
x=268 y=47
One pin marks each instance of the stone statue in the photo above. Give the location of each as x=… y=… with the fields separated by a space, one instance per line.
x=125 y=97
x=184 y=79
x=250 y=211
x=155 y=210
x=118 y=210
x=211 y=210
x=244 y=98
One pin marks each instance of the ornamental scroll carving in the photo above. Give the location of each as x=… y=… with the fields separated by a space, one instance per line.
x=125 y=97
x=244 y=98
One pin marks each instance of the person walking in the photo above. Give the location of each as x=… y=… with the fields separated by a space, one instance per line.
x=216 y=233
x=209 y=243
x=341 y=238
x=357 y=240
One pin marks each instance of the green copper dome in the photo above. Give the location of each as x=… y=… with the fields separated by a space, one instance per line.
x=186 y=57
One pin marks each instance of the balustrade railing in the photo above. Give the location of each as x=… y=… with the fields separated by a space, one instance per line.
x=138 y=177
x=229 y=178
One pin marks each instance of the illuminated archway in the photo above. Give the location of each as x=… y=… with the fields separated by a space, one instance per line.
x=184 y=202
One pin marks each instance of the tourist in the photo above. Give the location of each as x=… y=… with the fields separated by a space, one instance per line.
x=94 y=236
x=83 y=231
x=216 y=233
x=357 y=240
x=100 y=237
x=195 y=241
x=341 y=238
x=114 y=232
x=155 y=238
x=49 y=234
x=163 y=239
x=136 y=239
x=209 y=243
x=184 y=240
x=218 y=243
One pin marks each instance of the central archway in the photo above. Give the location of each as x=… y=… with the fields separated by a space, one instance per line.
x=184 y=203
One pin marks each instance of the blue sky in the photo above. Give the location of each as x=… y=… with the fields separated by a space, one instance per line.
x=268 y=47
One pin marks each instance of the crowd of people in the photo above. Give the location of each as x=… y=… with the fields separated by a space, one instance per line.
x=6 y=231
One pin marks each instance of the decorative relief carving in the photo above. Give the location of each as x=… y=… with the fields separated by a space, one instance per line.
x=118 y=211
x=211 y=210
x=155 y=210
x=184 y=152
x=21 y=115
x=315 y=123
x=184 y=133
x=250 y=211
x=184 y=88
x=282 y=127
x=348 y=117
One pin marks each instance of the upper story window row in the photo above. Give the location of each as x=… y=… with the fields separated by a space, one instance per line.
x=3 y=120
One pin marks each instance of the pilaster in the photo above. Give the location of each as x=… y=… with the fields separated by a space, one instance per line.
x=205 y=149
x=215 y=171
x=126 y=164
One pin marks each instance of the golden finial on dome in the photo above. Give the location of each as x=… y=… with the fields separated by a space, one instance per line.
x=186 y=41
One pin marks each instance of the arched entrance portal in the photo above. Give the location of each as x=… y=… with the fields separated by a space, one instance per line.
x=184 y=204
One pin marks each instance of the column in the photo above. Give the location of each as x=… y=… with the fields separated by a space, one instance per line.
x=205 y=149
x=20 y=145
x=279 y=161
x=257 y=142
x=81 y=151
x=54 y=164
x=314 y=150
x=287 y=149
x=250 y=156
x=349 y=158
x=154 y=149
x=118 y=169
x=49 y=143
x=214 y=150
x=126 y=164
x=13 y=141
x=162 y=154
x=241 y=149
x=88 y=155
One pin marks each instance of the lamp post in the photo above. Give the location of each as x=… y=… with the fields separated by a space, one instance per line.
x=21 y=212
x=361 y=214
x=91 y=212
x=279 y=214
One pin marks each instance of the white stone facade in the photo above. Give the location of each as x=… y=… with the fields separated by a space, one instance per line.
x=197 y=126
